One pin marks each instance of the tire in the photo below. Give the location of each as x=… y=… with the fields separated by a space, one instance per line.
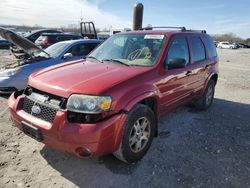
x=207 y=98
x=129 y=150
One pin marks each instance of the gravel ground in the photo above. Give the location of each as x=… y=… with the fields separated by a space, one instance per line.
x=194 y=149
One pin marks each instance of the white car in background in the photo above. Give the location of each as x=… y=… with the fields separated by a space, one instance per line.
x=227 y=45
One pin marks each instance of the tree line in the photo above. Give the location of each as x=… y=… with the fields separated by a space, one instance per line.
x=74 y=28
x=230 y=37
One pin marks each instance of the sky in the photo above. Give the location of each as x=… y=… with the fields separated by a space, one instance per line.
x=215 y=16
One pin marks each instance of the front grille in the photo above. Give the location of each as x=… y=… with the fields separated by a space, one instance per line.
x=47 y=113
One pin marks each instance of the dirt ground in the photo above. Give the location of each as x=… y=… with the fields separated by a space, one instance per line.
x=194 y=149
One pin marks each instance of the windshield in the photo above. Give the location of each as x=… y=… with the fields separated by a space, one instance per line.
x=131 y=49
x=55 y=50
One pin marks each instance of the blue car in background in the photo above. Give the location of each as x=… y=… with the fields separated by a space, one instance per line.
x=4 y=44
x=15 y=76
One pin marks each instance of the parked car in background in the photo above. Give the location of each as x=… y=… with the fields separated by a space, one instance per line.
x=239 y=45
x=111 y=101
x=227 y=45
x=14 y=76
x=32 y=36
x=37 y=33
x=47 y=39
x=242 y=45
x=216 y=43
x=4 y=44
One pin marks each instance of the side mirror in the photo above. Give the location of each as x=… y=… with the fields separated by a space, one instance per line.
x=67 y=56
x=176 y=63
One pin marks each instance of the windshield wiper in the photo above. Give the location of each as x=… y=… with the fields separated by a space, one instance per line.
x=92 y=57
x=117 y=61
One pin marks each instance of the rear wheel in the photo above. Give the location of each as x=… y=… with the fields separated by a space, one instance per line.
x=138 y=134
x=207 y=98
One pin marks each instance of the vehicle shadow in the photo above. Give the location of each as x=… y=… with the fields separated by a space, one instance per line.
x=199 y=147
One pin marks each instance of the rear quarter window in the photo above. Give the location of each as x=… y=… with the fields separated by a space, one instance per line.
x=210 y=47
x=198 y=49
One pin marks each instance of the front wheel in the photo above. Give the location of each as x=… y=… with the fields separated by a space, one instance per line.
x=207 y=98
x=138 y=134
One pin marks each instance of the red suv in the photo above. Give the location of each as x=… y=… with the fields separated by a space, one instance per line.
x=111 y=101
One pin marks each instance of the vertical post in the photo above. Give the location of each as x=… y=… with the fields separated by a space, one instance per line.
x=138 y=16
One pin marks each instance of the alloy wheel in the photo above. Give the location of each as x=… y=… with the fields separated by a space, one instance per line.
x=139 y=134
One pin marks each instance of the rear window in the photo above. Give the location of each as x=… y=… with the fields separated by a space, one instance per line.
x=198 y=49
x=210 y=47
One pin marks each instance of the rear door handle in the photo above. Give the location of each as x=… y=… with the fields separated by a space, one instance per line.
x=189 y=72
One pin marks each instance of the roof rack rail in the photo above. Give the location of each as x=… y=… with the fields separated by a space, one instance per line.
x=164 y=27
x=193 y=30
x=179 y=28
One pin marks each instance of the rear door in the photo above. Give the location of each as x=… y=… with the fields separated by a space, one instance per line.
x=199 y=63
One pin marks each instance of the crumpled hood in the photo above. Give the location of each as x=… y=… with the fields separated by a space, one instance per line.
x=87 y=77
x=23 y=43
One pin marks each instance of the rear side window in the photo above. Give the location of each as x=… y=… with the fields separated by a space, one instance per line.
x=210 y=47
x=198 y=50
x=82 y=49
x=178 y=49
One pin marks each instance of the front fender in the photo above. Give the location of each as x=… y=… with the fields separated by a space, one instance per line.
x=126 y=98
x=136 y=99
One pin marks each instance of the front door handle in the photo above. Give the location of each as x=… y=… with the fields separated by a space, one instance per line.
x=189 y=72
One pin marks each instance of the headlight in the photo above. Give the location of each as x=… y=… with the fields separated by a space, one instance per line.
x=9 y=72
x=88 y=103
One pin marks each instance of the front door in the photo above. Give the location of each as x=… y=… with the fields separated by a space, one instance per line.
x=174 y=87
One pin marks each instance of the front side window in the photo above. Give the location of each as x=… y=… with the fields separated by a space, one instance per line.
x=55 y=50
x=198 y=50
x=178 y=49
x=131 y=49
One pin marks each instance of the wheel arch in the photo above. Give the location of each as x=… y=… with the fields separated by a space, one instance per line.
x=149 y=99
x=214 y=77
